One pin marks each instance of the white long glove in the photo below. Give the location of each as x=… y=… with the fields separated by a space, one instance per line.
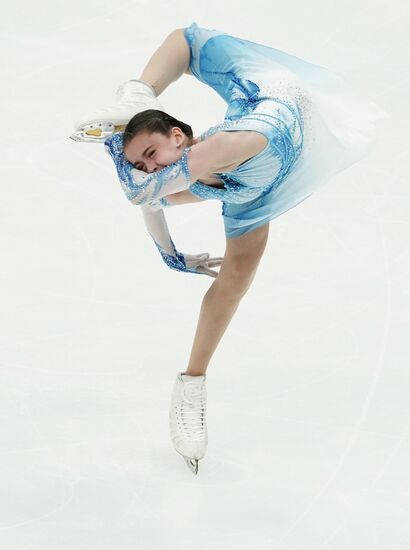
x=157 y=227
x=149 y=191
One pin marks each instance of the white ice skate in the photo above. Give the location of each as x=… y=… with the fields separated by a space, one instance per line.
x=187 y=418
x=133 y=96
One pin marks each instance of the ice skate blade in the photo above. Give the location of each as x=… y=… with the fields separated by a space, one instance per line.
x=192 y=464
x=96 y=134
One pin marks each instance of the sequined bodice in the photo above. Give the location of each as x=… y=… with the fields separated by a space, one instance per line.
x=283 y=129
x=262 y=96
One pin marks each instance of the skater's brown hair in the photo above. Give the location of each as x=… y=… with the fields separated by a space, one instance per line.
x=153 y=120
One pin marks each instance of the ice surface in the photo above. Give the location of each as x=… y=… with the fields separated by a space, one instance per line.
x=308 y=392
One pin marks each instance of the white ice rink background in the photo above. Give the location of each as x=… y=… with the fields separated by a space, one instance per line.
x=309 y=390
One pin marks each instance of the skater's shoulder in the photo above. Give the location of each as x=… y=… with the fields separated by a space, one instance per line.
x=230 y=149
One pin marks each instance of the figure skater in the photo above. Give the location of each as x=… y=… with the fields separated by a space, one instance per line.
x=290 y=125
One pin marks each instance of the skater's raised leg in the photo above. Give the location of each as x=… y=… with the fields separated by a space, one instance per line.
x=168 y=63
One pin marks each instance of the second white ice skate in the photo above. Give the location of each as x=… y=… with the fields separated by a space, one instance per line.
x=133 y=96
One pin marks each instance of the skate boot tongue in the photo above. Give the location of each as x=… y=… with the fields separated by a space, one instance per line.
x=193 y=390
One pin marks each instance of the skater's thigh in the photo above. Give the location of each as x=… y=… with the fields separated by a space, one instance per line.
x=243 y=254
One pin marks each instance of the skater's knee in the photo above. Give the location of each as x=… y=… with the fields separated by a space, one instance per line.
x=235 y=280
x=241 y=260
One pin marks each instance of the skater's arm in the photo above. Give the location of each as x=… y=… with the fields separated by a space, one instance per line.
x=204 y=158
x=141 y=187
x=168 y=62
x=157 y=227
x=182 y=197
x=156 y=224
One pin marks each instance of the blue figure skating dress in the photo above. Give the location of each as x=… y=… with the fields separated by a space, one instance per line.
x=316 y=125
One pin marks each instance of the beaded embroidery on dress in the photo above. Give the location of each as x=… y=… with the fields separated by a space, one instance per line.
x=142 y=188
x=316 y=125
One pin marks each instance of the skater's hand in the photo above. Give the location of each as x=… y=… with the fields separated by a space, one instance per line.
x=201 y=263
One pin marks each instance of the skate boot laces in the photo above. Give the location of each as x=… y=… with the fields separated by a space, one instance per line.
x=193 y=411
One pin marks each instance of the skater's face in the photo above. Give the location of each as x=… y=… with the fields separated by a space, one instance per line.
x=151 y=152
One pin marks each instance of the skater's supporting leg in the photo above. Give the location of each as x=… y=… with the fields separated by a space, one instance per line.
x=168 y=62
x=219 y=304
